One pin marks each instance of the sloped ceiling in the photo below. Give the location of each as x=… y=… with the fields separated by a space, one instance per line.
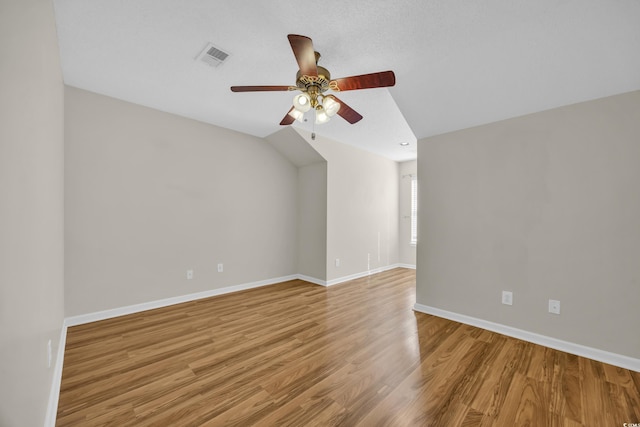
x=291 y=145
x=457 y=63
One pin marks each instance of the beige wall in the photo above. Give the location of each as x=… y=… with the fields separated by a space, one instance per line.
x=31 y=208
x=311 y=251
x=362 y=208
x=407 y=251
x=547 y=206
x=312 y=220
x=150 y=195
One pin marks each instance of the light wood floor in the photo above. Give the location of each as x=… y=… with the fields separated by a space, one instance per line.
x=353 y=354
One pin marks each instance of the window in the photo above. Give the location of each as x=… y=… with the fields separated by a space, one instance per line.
x=414 y=211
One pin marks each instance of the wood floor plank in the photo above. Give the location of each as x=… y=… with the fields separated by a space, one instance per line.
x=298 y=354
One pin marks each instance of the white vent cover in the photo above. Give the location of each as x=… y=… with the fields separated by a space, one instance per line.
x=212 y=56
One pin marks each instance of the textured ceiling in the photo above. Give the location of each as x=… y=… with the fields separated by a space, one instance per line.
x=457 y=63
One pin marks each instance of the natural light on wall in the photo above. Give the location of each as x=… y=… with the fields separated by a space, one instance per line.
x=414 y=210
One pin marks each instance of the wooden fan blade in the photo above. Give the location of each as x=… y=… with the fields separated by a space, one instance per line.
x=347 y=113
x=260 y=88
x=287 y=120
x=364 y=81
x=302 y=47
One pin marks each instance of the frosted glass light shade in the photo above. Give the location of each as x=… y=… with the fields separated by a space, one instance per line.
x=297 y=114
x=331 y=106
x=321 y=116
x=302 y=102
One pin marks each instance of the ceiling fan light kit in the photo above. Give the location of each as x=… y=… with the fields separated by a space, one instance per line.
x=330 y=105
x=302 y=102
x=297 y=114
x=321 y=115
x=313 y=81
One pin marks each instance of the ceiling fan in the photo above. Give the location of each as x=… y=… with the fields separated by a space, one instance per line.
x=313 y=81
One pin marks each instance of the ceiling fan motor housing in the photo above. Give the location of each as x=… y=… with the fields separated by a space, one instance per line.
x=321 y=81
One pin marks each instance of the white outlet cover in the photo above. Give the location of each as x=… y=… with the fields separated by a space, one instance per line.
x=189 y=274
x=507 y=297
x=220 y=268
x=554 y=306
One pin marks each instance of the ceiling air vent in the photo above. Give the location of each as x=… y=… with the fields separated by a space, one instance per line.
x=213 y=56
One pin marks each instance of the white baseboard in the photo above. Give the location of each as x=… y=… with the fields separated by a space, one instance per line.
x=54 y=393
x=619 y=360
x=136 y=308
x=409 y=266
x=313 y=280
x=363 y=274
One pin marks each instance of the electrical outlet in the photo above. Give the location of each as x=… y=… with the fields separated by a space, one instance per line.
x=554 y=306
x=507 y=297
x=189 y=274
x=337 y=262
x=220 y=268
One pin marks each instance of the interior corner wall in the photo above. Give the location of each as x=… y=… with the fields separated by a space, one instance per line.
x=31 y=208
x=312 y=220
x=362 y=209
x=407 y=251
x=150 y=195
x=546 y=206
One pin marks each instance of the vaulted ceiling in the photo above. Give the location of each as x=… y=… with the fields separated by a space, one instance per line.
x=458 y=63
